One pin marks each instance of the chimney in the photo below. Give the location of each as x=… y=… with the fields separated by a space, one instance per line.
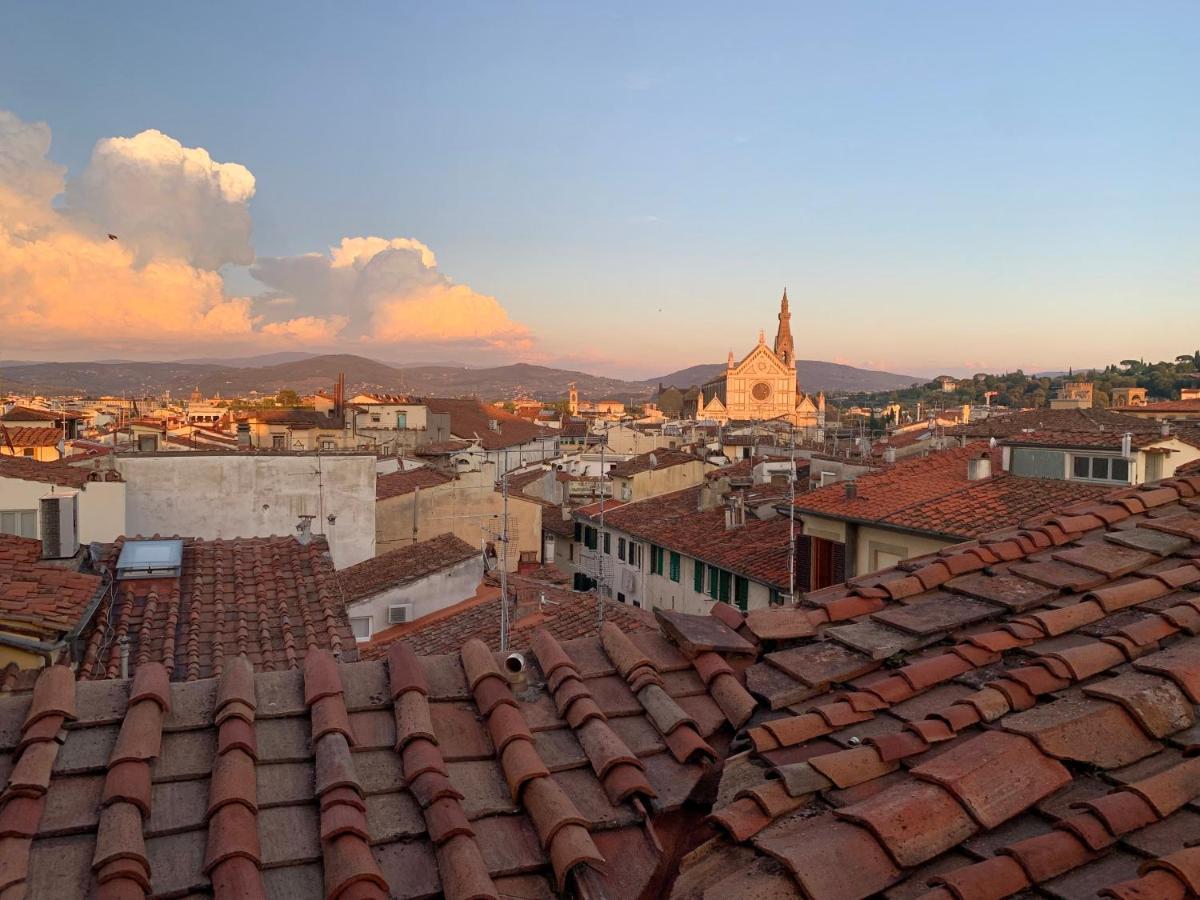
x=304 y=530
x=851 y=490
x=243 y=433
x=889 y=455
x=1127 y=445
x=653 y=461
x=979 y=468
x=735 y=512
x=1165 y=429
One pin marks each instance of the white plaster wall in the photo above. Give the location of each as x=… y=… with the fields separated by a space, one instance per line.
x=227 y=495
x=101 y=505
x=428 y=595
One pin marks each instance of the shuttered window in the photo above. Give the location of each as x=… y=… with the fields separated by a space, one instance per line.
x=741 y=593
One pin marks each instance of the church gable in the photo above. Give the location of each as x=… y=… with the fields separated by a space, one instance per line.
x=761 y=361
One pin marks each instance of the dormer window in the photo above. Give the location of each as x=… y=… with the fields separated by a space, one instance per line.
x=1100 y=468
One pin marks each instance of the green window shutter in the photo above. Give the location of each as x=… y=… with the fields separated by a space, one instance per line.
x=674 y=566
x=714 y=580
x=741 y=593
x=698 y=576
x=621 y=549
x=726 y=577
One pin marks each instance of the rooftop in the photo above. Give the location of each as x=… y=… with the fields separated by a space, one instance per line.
x=651 y=462
x=57 y=473
x=271 y=598
x=757 y=550
x=470 y=419
x=396 y=484
x=1164 y=406
x=567 y=615
x=461 y=784
x=933 y=494
x=1011 y=716
x=30 y=437
x=404 y=565
x=30 y=414
x=40 y=600
x=296 y=418
x=1099 y=428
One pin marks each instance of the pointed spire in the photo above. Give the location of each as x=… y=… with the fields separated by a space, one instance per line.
x=784 y=347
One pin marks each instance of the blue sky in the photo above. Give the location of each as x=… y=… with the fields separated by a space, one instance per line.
x=941 y=186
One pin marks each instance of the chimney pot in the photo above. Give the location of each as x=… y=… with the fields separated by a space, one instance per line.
x=851 y=489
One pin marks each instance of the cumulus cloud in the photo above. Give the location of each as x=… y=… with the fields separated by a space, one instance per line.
x=28 y=180
x=392 y=293
x=165 y=199
x=179 y=216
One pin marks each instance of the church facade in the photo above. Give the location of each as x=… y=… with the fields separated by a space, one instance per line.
x=762 y=385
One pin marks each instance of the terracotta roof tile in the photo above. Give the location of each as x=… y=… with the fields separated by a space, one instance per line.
x=267 y=598
x=933 y=494
x=397 y=484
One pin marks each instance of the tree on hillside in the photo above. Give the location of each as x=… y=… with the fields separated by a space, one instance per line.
x=287 y=397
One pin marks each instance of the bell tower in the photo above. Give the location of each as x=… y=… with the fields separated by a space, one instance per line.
x=784 y=348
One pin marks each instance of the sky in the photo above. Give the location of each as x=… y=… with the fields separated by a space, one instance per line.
x=623 y=188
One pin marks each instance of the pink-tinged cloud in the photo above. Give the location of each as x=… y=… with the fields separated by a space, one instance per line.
x=178 y=216
x=393 y=293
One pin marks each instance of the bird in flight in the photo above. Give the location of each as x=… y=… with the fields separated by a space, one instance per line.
x=112 y=237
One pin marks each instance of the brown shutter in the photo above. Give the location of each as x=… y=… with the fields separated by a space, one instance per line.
x=839 y=563
x=803 y=563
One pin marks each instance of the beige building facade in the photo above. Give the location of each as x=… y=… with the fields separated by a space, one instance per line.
x=469 y=507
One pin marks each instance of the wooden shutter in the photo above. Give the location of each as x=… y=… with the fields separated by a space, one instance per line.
x=839 y=563
x=803 y=563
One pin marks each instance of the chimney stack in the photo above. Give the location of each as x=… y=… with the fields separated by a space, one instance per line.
x=304 y=530
x=1165 y=429
x=851 y=489
x=979 y=468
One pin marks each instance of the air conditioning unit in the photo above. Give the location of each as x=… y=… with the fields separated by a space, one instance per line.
x=58 y=525
x=400 y=613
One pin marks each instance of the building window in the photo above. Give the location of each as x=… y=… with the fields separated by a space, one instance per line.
x=698 y=576
x=375 y=420
x=21 y=522
x=27 y=451
x=578 y=531
x=635 y=554
x=608 y=543
x=328 y=445
x=620 y=597
x=361 y=626
x=279 y=442
x=401 y=420
x=726 y=578
x=656 y=559
x=741 y=593
x=714 y=580
x=674 y=566
x=621 y=549
x=1100 y=468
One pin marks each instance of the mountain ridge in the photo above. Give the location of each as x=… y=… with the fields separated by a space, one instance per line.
x=312 y=373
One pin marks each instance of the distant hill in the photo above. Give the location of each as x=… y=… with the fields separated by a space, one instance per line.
x=813 y=375
x=253 y=362
x=311 y=373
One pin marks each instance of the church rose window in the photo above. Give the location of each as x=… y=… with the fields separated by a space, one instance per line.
x=761 y=391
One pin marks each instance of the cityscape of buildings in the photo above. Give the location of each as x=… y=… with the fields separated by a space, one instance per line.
x=710 y=624
x=417 y=483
